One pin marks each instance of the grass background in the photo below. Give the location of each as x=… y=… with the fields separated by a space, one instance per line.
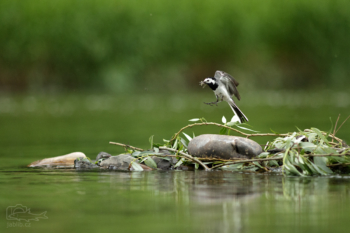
x=127 y=46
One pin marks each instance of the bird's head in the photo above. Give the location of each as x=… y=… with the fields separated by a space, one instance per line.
x=208 y=81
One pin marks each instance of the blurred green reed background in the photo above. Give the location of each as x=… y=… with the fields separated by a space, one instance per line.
x=63 y=45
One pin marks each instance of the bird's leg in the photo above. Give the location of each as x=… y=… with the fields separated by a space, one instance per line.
x=215 y=102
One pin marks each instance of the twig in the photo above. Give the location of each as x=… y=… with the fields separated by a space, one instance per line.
x=335 y=126
x=342 y=124
x=246 y=161
x=326 y=155
x=227 y=127
x=337 y=164
x=187 y=156
x=126 y=146
x=166 y=148
x=273 y=158
x=206 y=159
x=197 y=160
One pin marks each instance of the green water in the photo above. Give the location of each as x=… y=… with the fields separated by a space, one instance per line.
x=35 y=127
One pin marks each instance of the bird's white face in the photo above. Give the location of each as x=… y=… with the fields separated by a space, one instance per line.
x=209 y=80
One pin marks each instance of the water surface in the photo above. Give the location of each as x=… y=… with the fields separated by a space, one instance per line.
x=35 y=127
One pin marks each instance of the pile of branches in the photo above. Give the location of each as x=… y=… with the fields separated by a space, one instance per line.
x=303 y=153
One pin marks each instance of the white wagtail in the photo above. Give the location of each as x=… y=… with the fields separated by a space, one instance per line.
x=224 y=86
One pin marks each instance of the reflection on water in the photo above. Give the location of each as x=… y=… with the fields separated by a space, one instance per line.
x=181 y=200
x=228 y=202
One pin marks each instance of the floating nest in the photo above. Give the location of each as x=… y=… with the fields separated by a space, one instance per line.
x=304 y=153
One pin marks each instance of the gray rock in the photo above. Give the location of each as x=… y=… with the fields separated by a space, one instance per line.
x=84 y=163
x=121 y=163
x=165 y=163
x=223 y=146
x=103 y=155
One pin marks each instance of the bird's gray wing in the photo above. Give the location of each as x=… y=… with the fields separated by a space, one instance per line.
x=229 y=82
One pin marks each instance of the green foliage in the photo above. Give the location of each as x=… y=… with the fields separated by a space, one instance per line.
x=297 y=153
x=302 y=153
x=119 y=44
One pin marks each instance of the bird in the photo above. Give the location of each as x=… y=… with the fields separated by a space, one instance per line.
x=224 y=87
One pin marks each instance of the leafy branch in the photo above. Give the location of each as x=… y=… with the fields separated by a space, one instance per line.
x=227 y=127
x=303 y=153
x=184 y=155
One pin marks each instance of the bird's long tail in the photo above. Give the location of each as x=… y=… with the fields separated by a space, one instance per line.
x=242 y=118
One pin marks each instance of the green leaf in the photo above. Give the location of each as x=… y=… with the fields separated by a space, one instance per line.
x=175 y=144
x=157 y=145
x=312 y=136
x=233 y=167
x=231 y=123
x=289 y=143
x=223 y=131
x=307 y=146
x=299 y=129
x=325 y=150
x=235 y=119
x=273 y=131
x=150 y=162
x=183 y=142
x=320 y=135
x=319 y=170
x=291 y=169
x=257 y=164
x=247 y=129
x=337 y=159
x=181 y=146
x=263 y=155
x=136 y=153
x=321 y=162
x=136 y=167
x=273 y=163
x=330 y=131
x=196 y=166
x=179 y=162
x=166 y=158
x=224 y=119
x=187 y=136
x=151 y=141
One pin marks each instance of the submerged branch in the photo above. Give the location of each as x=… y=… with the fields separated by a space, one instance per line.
x=273 y=158
x=187 y=156
x=246 y=161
